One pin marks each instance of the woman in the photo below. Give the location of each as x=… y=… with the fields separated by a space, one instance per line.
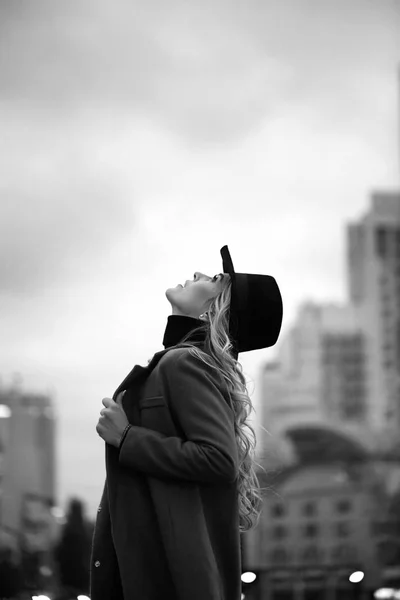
x=181 y=483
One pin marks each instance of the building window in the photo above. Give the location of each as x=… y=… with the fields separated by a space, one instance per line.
x=279 y=556
x=380 y=241
x=310 y=530
x=279 y=532
x=389 y=553
x=311 y=554
x=309 y=509
x=383 y=528
x=278 y=510
x=398 y=241
x=344 y=553
x=343 y=506
x=375 y=528
x=386 y=312
x=342 y=529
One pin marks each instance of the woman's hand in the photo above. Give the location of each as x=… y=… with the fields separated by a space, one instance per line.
x=113 y=421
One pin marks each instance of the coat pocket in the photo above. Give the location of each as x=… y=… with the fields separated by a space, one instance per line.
x=155 y=414
x=152 y=402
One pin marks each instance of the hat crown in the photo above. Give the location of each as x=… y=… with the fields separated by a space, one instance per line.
x=256 y=309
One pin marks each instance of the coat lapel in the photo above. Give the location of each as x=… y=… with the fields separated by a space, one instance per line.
x=138 y=372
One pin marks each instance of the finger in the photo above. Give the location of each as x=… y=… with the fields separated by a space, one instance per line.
x=119 y=398
x=107 y=402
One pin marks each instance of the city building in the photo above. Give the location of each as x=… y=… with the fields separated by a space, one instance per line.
x=330 y=425
x=319 y=383
x=27 y=476
x=373 y=257
x=322 y=522
x=340 y=364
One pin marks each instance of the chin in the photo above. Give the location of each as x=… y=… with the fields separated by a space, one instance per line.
x=170 y=293
x=172 y=290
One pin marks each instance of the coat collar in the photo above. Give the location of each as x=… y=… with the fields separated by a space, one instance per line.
x=179 y=326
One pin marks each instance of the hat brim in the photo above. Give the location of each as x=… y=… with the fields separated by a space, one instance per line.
x=227 y=263
x=227 y=267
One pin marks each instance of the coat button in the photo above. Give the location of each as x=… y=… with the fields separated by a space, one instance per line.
x=97 y=563
x=99 y=509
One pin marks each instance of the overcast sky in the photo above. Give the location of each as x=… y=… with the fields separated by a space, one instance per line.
x=137 y=138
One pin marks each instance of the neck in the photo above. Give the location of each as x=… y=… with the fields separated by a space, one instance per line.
x=178 y=313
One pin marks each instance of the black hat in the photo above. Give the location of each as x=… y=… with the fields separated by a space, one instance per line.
x=256 y=308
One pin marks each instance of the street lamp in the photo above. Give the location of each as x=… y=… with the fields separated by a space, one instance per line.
x=249 y=577
x=250 y=581
x=356 y=577
x=387 y=594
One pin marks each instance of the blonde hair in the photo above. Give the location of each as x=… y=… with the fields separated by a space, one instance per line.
x=218 y=347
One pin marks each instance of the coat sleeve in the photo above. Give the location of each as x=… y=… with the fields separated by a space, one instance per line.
x=209 y=454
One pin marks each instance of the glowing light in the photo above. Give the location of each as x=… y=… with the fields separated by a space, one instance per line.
x=356 y=577
x=5 y=411
x=40 y=598
x=249 y=577
x=83 y=597
x=383 y=593
x=58 y=513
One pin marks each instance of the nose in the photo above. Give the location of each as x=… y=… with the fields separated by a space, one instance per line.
x=198 y=275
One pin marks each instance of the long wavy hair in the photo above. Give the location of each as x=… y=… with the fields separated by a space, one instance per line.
x=217 y=354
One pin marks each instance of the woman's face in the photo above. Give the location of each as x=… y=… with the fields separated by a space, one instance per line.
x=193 y=298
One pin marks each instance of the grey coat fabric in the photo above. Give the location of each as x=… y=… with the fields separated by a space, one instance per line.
x=168 y=521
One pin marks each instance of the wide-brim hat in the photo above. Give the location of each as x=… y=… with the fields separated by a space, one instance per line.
x=256 y=308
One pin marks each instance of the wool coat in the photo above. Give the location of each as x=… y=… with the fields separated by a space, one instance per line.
x=168 y=522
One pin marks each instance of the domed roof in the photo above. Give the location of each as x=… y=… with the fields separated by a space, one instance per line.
x=320 y=443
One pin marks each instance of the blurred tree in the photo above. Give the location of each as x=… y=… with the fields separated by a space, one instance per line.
x=10 y=575
x=394 y=513
x=72 y=553
x=30 y=562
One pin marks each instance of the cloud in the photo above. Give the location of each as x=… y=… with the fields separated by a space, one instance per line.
x=210 y=73
x=83 y=194
x=60 y=209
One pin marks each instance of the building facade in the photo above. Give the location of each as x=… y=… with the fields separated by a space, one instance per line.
x=330 y=432
x=319 y=381
x=28 y=468
x=373 y=258
x=322 y=522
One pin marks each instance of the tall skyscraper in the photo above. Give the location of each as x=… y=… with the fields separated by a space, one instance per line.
x=374 y=286
x=27 y=438
x=339 y=365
